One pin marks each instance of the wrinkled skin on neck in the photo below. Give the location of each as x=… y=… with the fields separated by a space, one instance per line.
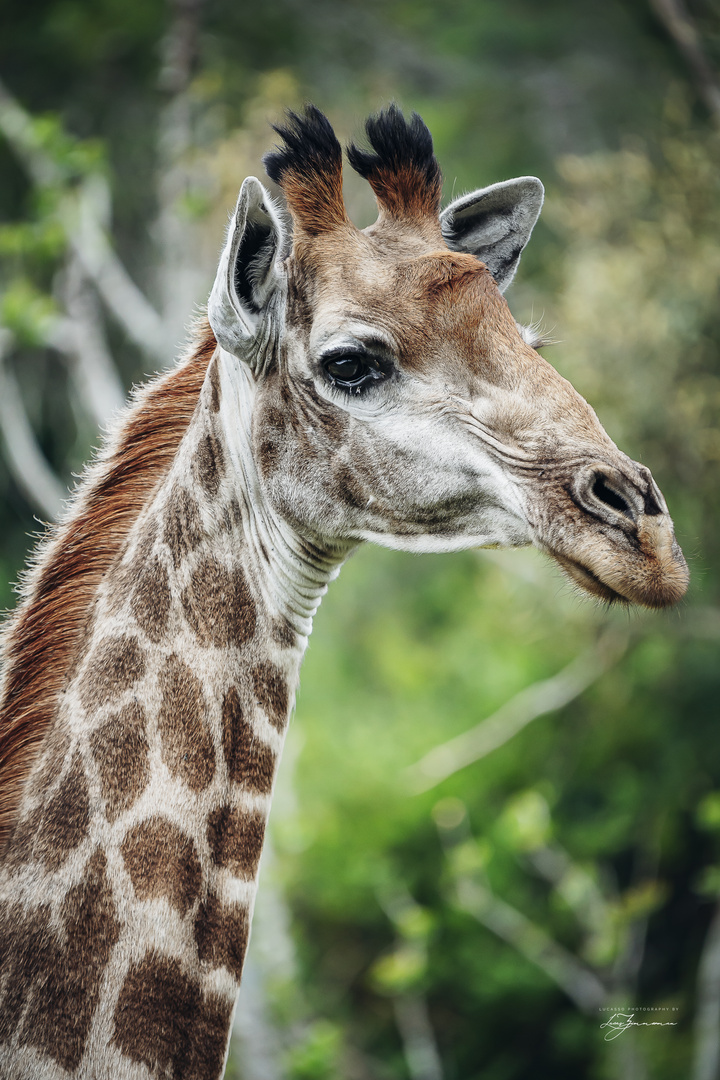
x=470 y=438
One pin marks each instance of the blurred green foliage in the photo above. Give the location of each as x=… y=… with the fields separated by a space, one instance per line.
x=598 y=825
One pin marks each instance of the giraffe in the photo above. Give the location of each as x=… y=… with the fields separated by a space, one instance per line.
x=346 y=386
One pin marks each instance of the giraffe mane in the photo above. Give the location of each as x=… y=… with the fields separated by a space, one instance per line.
x=42 y=639
x=403 y=170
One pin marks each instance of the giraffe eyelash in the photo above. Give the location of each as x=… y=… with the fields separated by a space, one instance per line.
x=364 y=370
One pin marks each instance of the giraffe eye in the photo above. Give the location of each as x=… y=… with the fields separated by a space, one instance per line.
x=354 y=371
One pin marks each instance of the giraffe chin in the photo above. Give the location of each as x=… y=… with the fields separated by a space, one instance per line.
x=588 y=581
x=658 y=587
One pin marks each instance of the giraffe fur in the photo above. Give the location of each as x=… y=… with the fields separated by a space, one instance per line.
x=350 y=386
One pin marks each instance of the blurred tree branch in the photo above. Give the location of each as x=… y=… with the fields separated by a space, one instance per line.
x=574 y=884
x=578 y=981
x=413 y=1023
x=400 y=973
x=42 y=488
x=679 y=25
x=76 y=197
x=180 y=46
x=614 y=925
x=534 y=701
x=179 y=279
x=706 y=1064
x=81 y=336
x=82 y=212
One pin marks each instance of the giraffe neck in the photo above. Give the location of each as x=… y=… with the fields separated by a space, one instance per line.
x=128 y=884
x=293 y=572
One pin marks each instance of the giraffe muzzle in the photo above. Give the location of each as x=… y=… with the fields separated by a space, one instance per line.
x=623 y=546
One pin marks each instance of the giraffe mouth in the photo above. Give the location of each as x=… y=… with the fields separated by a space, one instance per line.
x=655 y=581
x=589 y=581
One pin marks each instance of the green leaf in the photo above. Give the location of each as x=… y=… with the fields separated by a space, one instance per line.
x=27 y=312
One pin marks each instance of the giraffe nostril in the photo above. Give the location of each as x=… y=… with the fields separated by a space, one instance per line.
x=602 y=491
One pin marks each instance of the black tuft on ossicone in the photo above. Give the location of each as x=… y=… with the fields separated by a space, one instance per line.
x=400 y=146
x=311 y=146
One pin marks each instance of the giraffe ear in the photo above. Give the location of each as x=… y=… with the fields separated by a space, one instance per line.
x=494 y=224
x=248 y=275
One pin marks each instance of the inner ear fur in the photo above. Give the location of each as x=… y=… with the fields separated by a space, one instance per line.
x=494 y=224
x=248 y=274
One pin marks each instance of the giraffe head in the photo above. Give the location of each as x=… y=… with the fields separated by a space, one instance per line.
x=394 y=398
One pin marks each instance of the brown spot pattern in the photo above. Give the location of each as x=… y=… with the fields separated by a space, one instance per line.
x=348 y=490
x=236 y=838
x=275 y=418
x=183 y=527
x=125 y=575
x=163 y=1020
x=301 y=293
x=64 y=821
x=55 y=748
x=272 y=693
x=283 y=633
x=120 y=748
x=231 y=516
x=269 y=449
x=249 y=761
x=46 y=633
x=187 y=749
x=20 y=847
x=332 y=421
x=218 y=605
x=162 y=862
x=150 y=603
x=60 y=984
x=269 y=455
x=114 y=666
x=27 y=953
x=210 y=463
x=221 y=935
x=215 y=393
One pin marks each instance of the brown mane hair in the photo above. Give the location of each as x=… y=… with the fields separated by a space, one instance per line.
x=42 y=638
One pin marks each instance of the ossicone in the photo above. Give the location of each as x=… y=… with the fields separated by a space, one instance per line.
x=308 y=168
x=401 y=168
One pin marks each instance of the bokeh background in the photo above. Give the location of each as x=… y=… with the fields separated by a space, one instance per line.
x=498 y=818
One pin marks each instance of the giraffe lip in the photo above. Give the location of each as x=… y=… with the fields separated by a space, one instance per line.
x=588 y=580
